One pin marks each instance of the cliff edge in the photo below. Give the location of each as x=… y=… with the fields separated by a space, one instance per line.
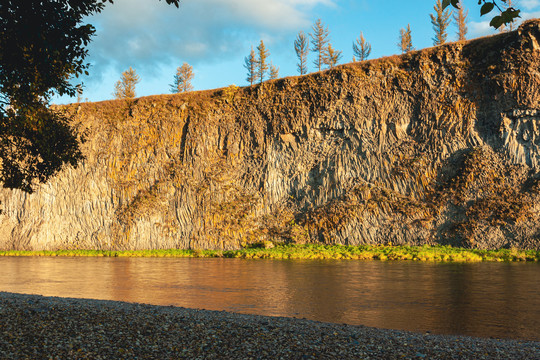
x=435 y=146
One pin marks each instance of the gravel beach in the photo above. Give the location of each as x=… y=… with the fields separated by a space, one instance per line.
x=37 y=327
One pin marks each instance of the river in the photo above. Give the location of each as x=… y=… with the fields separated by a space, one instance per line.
x=482 y=299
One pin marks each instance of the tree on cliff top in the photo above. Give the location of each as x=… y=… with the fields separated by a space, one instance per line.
x=262 y=63
x=440 y=21
x=405 y=40
x=332 y=56
x=301 y=47
x=319 y=40
x=250 y=63
x=274 y=72
x=460 y=17
x=125 y=87
x=361 y=48
x=42 y=46
x=182 y=79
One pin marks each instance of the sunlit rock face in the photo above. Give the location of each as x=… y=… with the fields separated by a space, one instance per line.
x=435 y=146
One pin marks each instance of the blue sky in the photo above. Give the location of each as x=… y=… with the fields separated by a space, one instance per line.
x=214 y=36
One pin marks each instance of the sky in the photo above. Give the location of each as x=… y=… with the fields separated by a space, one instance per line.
x=214 y=37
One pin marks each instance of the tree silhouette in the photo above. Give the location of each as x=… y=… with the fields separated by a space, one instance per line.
x=301 y=47
x=460 y=17
x=182 y=79
x=262 y=61
x=250 y=63
x=440 y=21
x=125 y=87
x=405 y=40
x=319 y=42
x=361 y=48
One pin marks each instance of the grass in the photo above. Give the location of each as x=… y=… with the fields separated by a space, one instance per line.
x=313 y=251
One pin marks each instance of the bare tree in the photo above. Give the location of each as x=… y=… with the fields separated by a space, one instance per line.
x=460 y=17
x=405 y=40
x=440 y=21
x=182 y=79
x=319 y=41
x=332 y=56
x=361 y=48
x=125 y=87
x=251 y=66
x=262 y=61
x=301 y=46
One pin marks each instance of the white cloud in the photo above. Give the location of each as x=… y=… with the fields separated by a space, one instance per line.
x=531 y=15
x=528 y=4
x=479 y=28
x=147 y=33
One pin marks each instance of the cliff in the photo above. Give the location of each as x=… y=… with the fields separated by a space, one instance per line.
x=435 y=146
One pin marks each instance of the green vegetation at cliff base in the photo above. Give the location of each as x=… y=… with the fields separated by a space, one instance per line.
x=313 y=251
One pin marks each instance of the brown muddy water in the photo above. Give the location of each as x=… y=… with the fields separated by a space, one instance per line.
x=500 y=300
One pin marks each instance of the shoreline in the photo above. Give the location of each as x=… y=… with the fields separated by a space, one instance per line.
x=34 y=326
x=313 y=252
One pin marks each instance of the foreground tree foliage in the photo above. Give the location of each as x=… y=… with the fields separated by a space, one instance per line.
x=42 y=46
x=507 y=16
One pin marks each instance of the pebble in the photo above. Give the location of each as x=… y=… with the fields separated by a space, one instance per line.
x=66 y=328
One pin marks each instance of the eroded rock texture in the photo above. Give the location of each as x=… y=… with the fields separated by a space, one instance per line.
x=436 y=146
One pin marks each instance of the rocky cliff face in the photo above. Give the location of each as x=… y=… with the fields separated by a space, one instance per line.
x=435 y=146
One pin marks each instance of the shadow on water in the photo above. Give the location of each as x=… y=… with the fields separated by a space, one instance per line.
x=482 y=299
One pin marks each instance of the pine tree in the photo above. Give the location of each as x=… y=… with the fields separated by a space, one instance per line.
x=125 y=87
x=182 y=79
x=319 y=41
x=461 y=21
x=440 y=22
x=405 y=40
x=274 y=72
x=250 y=63
x=262 y=61
x=332 y=56
x=301 y=46
x=361 y=48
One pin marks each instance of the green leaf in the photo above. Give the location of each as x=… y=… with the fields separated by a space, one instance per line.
x=496 y=22
x=445 y=4
x=509 y=15
x=455 y=3
x=486 y=8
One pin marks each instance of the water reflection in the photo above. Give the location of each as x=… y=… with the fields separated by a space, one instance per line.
x=498 y=300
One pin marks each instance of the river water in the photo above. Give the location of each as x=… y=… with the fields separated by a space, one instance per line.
x=486 y=299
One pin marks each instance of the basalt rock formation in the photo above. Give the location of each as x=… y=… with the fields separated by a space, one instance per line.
x=435 y=146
